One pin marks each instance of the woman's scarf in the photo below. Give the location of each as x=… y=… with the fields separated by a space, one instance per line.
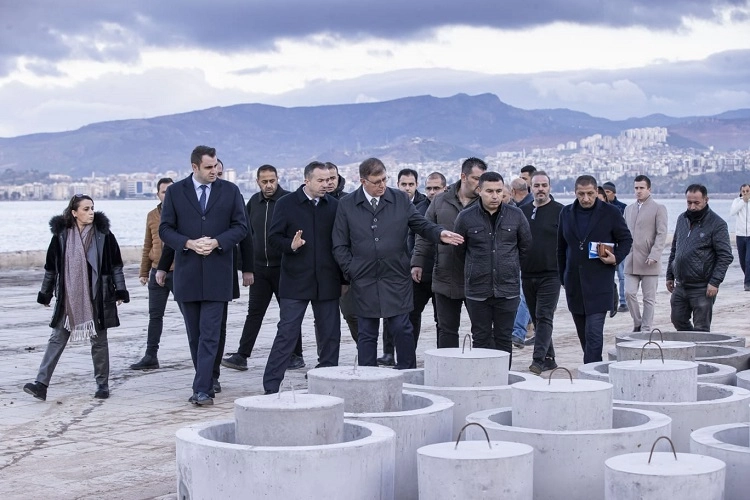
x=79 y=311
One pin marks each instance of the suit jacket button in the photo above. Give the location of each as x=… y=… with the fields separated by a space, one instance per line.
x=203 y=217
x=377 y=239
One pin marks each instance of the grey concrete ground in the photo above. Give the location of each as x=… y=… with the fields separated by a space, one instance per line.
x=73 y=446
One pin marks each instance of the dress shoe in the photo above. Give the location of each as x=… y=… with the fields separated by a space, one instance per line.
x=296 y=362
x=536 y=367
x=202 y=399
x=235 y=361
x=37 y=389
x=623 y=308
x=747 y=288
x=270 y=392
x=530 y=340
x=102 y=391
x=148 y=362
x=636 y=328
x=612 y=313
x=518 y=343
x=387 y=360
x=549 y=364
x=217 y=386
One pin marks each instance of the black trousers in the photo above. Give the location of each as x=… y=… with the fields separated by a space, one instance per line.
x=291 y=314
x=264 y=287
x=157 y=304
x=691 y=302
x=542 y=295
x=422 y=295
x=448 y=319
x=203 y=324
x=590 y=329
x=492 y=322
x=400 y=326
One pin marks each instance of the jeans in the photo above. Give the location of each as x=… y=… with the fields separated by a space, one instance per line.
x=744 y=255
x=157 y=304
x=621 y=279
x=492 y=322
x=687 y=302
x=449 y=319
x=403 y=338
x=56 y=345
x=264 y=287
x=522 y=319
x=542 y=295
x=590 y=329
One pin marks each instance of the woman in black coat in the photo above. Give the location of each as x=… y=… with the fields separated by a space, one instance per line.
x=84 y=271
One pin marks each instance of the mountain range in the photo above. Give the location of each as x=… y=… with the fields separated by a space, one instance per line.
x=411 y=129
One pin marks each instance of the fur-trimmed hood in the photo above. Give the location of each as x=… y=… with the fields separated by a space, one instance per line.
x=101 y=223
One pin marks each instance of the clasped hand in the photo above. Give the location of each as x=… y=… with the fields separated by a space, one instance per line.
x=203 y=245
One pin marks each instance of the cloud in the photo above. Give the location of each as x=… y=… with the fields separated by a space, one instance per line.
x=116 y=31
x=111 y=96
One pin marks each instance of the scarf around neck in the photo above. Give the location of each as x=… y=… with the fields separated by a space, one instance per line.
x=695 y=216
x=79 y=311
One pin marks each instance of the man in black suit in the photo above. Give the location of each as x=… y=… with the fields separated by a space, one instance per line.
x=203 y=218
x=586 y=276
x=301 y=231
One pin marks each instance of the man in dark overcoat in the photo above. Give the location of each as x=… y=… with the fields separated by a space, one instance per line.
x=301 y=231
x=203 y=218
x=587 y=280
x=370 y=245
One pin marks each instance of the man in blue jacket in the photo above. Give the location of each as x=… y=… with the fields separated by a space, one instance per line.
x=587 y=277
x=203 y=218
x=301 y=231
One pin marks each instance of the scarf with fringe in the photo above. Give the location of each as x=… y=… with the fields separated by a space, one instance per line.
x=79 y=311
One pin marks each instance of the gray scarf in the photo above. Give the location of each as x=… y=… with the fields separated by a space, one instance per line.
x=79 y=311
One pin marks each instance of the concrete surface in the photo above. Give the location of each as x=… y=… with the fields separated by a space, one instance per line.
x=75 y=447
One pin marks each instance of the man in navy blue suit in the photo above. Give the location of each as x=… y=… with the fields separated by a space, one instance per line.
x=203 y=218
x=301 y=230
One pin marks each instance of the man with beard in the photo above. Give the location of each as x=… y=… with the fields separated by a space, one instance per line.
x=698 y=261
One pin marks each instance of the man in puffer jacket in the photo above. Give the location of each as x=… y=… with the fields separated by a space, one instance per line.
x=698 y=262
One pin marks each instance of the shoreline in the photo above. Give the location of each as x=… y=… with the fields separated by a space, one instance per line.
x=131 y=255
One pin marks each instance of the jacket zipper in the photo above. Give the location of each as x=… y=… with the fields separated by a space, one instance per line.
x=265 y=236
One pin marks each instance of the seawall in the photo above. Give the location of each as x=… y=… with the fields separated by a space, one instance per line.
x=35 y=258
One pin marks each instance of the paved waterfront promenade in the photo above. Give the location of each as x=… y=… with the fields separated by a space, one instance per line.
x=74 y=446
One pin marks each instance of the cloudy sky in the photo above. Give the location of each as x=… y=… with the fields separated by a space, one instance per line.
x=67 y=64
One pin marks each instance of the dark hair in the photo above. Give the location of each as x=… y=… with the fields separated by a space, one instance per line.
x=199 y=152
x=695 y=188
x=407 y=172
x=73 y=204
x=643 y=178
x=490 y=177
x=266 y=168
x=540 y=173
x=371 y=166
x=312 y=166
x=438 y=175
x=530 y=169
x=163 y=180
x=744 y=185
x=585 y=180
x=332 y=165
x=468 y=165
x=600 y=190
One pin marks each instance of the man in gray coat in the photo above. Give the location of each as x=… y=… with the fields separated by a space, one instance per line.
x=448 y=271
x=647 y=222
x=369 y=243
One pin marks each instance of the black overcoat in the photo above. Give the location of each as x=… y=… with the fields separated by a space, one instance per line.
x=106 y=277
x=588 y=282
x=198 y=278
x=310 y=272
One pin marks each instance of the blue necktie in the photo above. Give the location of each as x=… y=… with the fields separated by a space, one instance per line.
x=202 y=199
